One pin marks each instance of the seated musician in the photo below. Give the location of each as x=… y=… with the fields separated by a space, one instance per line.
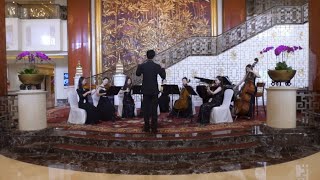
x=183 y=106
x=250 y=75
x=92 y=113
x=216 y=92
x=128 y=102
x=105 y=107
x=164 y=99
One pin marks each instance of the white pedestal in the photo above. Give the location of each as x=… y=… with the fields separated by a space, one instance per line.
x=32 y=110
x=281 y=107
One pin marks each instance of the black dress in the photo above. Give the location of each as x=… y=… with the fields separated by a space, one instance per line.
x=128 y=105
x=105 y=107
x=164 y=101
x=92 y=112
x=205 y=109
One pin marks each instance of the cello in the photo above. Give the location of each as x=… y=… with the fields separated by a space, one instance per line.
x=242 y=104
x=182 y=103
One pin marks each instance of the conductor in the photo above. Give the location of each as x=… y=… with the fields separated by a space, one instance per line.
x=150 y=91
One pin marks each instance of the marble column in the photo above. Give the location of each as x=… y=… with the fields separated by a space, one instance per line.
x=3 y=57
x=79 y=37
x=314 y=45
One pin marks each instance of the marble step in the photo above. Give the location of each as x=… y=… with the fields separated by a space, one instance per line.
x=147 y=155
x=243 y=161
x=158 y=143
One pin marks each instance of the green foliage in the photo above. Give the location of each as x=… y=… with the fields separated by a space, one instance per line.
x=29 y=71
x=282 y=66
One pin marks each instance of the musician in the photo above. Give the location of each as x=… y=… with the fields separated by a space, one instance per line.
x=215 y=100
x=250 y=75
x=183 y=106
x=105 y=107
x=128 y=102
x=164 y=99
x=92 y=112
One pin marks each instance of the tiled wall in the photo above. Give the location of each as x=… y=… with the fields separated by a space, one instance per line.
x=232 y=62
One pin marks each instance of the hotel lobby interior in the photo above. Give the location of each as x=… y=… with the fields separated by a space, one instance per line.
x=240 y=98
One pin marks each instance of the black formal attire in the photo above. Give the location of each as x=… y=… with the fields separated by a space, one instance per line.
x=205 y=109
x=105 y=107
x=92 y=112
x=150 y=70
x=128 y=105
x=164 y=101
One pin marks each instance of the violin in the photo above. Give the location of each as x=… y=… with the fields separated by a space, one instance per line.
x=88 y=86
x=242 y=104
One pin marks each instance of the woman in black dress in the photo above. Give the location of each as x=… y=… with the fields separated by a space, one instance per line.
x=105 y=107
x=128 y=102
x=183 y=113
x=164 y=99
x=92 y=113
x=216 y=100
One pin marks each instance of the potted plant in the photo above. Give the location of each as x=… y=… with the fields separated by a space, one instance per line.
x=282 y=72
x=30 y=75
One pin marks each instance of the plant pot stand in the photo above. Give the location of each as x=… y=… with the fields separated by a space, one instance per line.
x=281 y=76
x=30 y=80
x=32 y=110
x=281 y=107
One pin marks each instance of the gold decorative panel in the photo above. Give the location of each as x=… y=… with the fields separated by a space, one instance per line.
x=130 y=27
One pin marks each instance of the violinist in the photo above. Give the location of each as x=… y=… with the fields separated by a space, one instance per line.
x=105 y=107
x=92 y=113
x=216 y=94
x=183 y=106
x=249 y=78
x=128 y=102
x=164 y=99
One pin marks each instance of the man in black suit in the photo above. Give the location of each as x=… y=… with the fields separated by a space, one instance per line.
x=150 y=91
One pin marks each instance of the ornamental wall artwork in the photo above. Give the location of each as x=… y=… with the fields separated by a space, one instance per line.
x=130 y=27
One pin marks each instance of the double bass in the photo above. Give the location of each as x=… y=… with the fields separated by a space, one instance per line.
x=182 y=103
x=242 y=104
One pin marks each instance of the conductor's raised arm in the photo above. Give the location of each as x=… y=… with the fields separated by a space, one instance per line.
x=138 y=72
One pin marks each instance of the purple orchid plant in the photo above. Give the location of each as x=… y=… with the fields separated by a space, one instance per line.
x=32 y=59
x=284 y=51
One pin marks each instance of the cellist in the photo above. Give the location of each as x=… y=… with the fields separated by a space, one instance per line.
x=249 y=77
x=183 y=106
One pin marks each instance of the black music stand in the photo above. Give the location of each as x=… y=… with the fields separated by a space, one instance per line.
x=190 y=90
x=171 y=89
x=137 y=89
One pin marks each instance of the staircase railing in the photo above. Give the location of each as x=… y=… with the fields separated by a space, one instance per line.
x=215 y=45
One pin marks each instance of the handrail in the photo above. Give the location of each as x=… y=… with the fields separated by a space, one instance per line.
x=215 y=45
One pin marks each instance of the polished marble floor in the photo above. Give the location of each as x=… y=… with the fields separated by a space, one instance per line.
x=302 y=169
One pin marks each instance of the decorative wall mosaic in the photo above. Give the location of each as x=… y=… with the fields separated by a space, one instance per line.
x=232 y=63
x=212 y=46
x=130 y=27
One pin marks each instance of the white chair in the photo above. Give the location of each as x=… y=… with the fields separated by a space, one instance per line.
x=222 y=114
x=76 y=115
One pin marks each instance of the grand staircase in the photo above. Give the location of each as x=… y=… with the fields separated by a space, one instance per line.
x=215 y=45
